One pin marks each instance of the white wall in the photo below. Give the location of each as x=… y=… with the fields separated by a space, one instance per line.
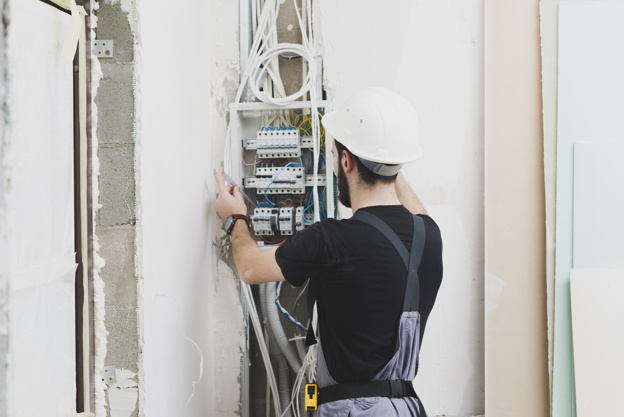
x=176 y=215
x=432 y=52
x=38 y=157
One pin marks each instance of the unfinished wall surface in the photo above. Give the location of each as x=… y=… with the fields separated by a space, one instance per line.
x=432 y=52
x=515 y=249
x=116 y=218
x=193 y=325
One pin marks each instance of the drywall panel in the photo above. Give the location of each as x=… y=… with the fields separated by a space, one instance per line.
x=432 y=52
x=549 y=26
x=42 y=361
x=590 y=105
x=515 y=289
x=548 y=31
x=597 y=316
x=598 y=205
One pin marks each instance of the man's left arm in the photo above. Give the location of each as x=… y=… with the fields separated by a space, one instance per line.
x=255 y=266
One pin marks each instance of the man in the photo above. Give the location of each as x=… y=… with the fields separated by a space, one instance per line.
x=374 y=276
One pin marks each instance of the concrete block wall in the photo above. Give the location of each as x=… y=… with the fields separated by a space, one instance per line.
x=117 y=217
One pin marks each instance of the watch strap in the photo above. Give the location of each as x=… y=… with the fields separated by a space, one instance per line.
x=235 y=217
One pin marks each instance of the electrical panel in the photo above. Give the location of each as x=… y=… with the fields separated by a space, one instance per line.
x=283 y=166
x=277 y=180
x=278 y=143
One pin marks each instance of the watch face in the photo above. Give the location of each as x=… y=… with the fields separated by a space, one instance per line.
x=228 y=224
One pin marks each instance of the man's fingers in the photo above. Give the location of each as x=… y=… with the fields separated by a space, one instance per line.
x=219 y=178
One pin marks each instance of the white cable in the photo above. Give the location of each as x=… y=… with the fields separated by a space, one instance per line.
x=309 y=368
x=263 y=67
x=253 y=313
x=260 y=65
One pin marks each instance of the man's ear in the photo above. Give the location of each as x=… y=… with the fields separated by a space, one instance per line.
x=347 y=161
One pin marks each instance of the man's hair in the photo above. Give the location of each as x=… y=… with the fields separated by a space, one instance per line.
x=366 y=175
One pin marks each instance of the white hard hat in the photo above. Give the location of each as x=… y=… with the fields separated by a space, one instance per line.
x=379 y=126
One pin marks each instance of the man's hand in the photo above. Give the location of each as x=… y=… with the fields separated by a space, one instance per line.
x=229 y=200
x=407 y=196
x=253 y=265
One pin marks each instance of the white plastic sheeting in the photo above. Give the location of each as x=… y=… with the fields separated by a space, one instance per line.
x=42 y=370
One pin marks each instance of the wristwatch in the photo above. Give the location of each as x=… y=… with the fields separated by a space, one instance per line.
x=230 y=222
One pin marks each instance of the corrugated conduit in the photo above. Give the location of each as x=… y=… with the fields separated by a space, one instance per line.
x=280 y=337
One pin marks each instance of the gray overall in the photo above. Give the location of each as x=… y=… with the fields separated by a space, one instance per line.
x=403 y=364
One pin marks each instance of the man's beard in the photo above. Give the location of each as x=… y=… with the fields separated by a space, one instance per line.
x=343 y=188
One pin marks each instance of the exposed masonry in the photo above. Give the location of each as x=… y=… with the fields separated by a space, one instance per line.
x=116 y=219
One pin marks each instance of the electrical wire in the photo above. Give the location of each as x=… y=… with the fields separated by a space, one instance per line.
x=286 y=313
x=274 y=178
x=261 y=77
x=300 y=297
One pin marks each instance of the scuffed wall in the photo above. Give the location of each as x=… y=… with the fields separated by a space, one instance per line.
x=228 y=337
x=432 y=52
x=192 y=322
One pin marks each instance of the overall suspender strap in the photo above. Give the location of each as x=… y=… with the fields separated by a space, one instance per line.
x=410 y=259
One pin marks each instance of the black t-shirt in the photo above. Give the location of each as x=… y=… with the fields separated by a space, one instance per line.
x=361 y=282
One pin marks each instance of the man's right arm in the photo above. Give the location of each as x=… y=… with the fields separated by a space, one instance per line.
x=407 y=196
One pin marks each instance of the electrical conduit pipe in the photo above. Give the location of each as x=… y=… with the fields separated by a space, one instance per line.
x=280 y=337
x=283 y=370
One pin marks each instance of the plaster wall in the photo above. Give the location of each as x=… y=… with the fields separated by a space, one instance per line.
x=515 y=248
x=432 y=52
x=193 y=334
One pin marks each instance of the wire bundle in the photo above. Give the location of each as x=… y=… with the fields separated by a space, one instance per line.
x=262 y=78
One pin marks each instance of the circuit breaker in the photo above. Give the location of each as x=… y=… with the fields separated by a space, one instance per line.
x=283 y=165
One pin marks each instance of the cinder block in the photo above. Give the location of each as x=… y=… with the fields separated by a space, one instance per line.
x=122 y=342
x=113 y=24
x=117 y=186
x=118 y=249
x=115 y=103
